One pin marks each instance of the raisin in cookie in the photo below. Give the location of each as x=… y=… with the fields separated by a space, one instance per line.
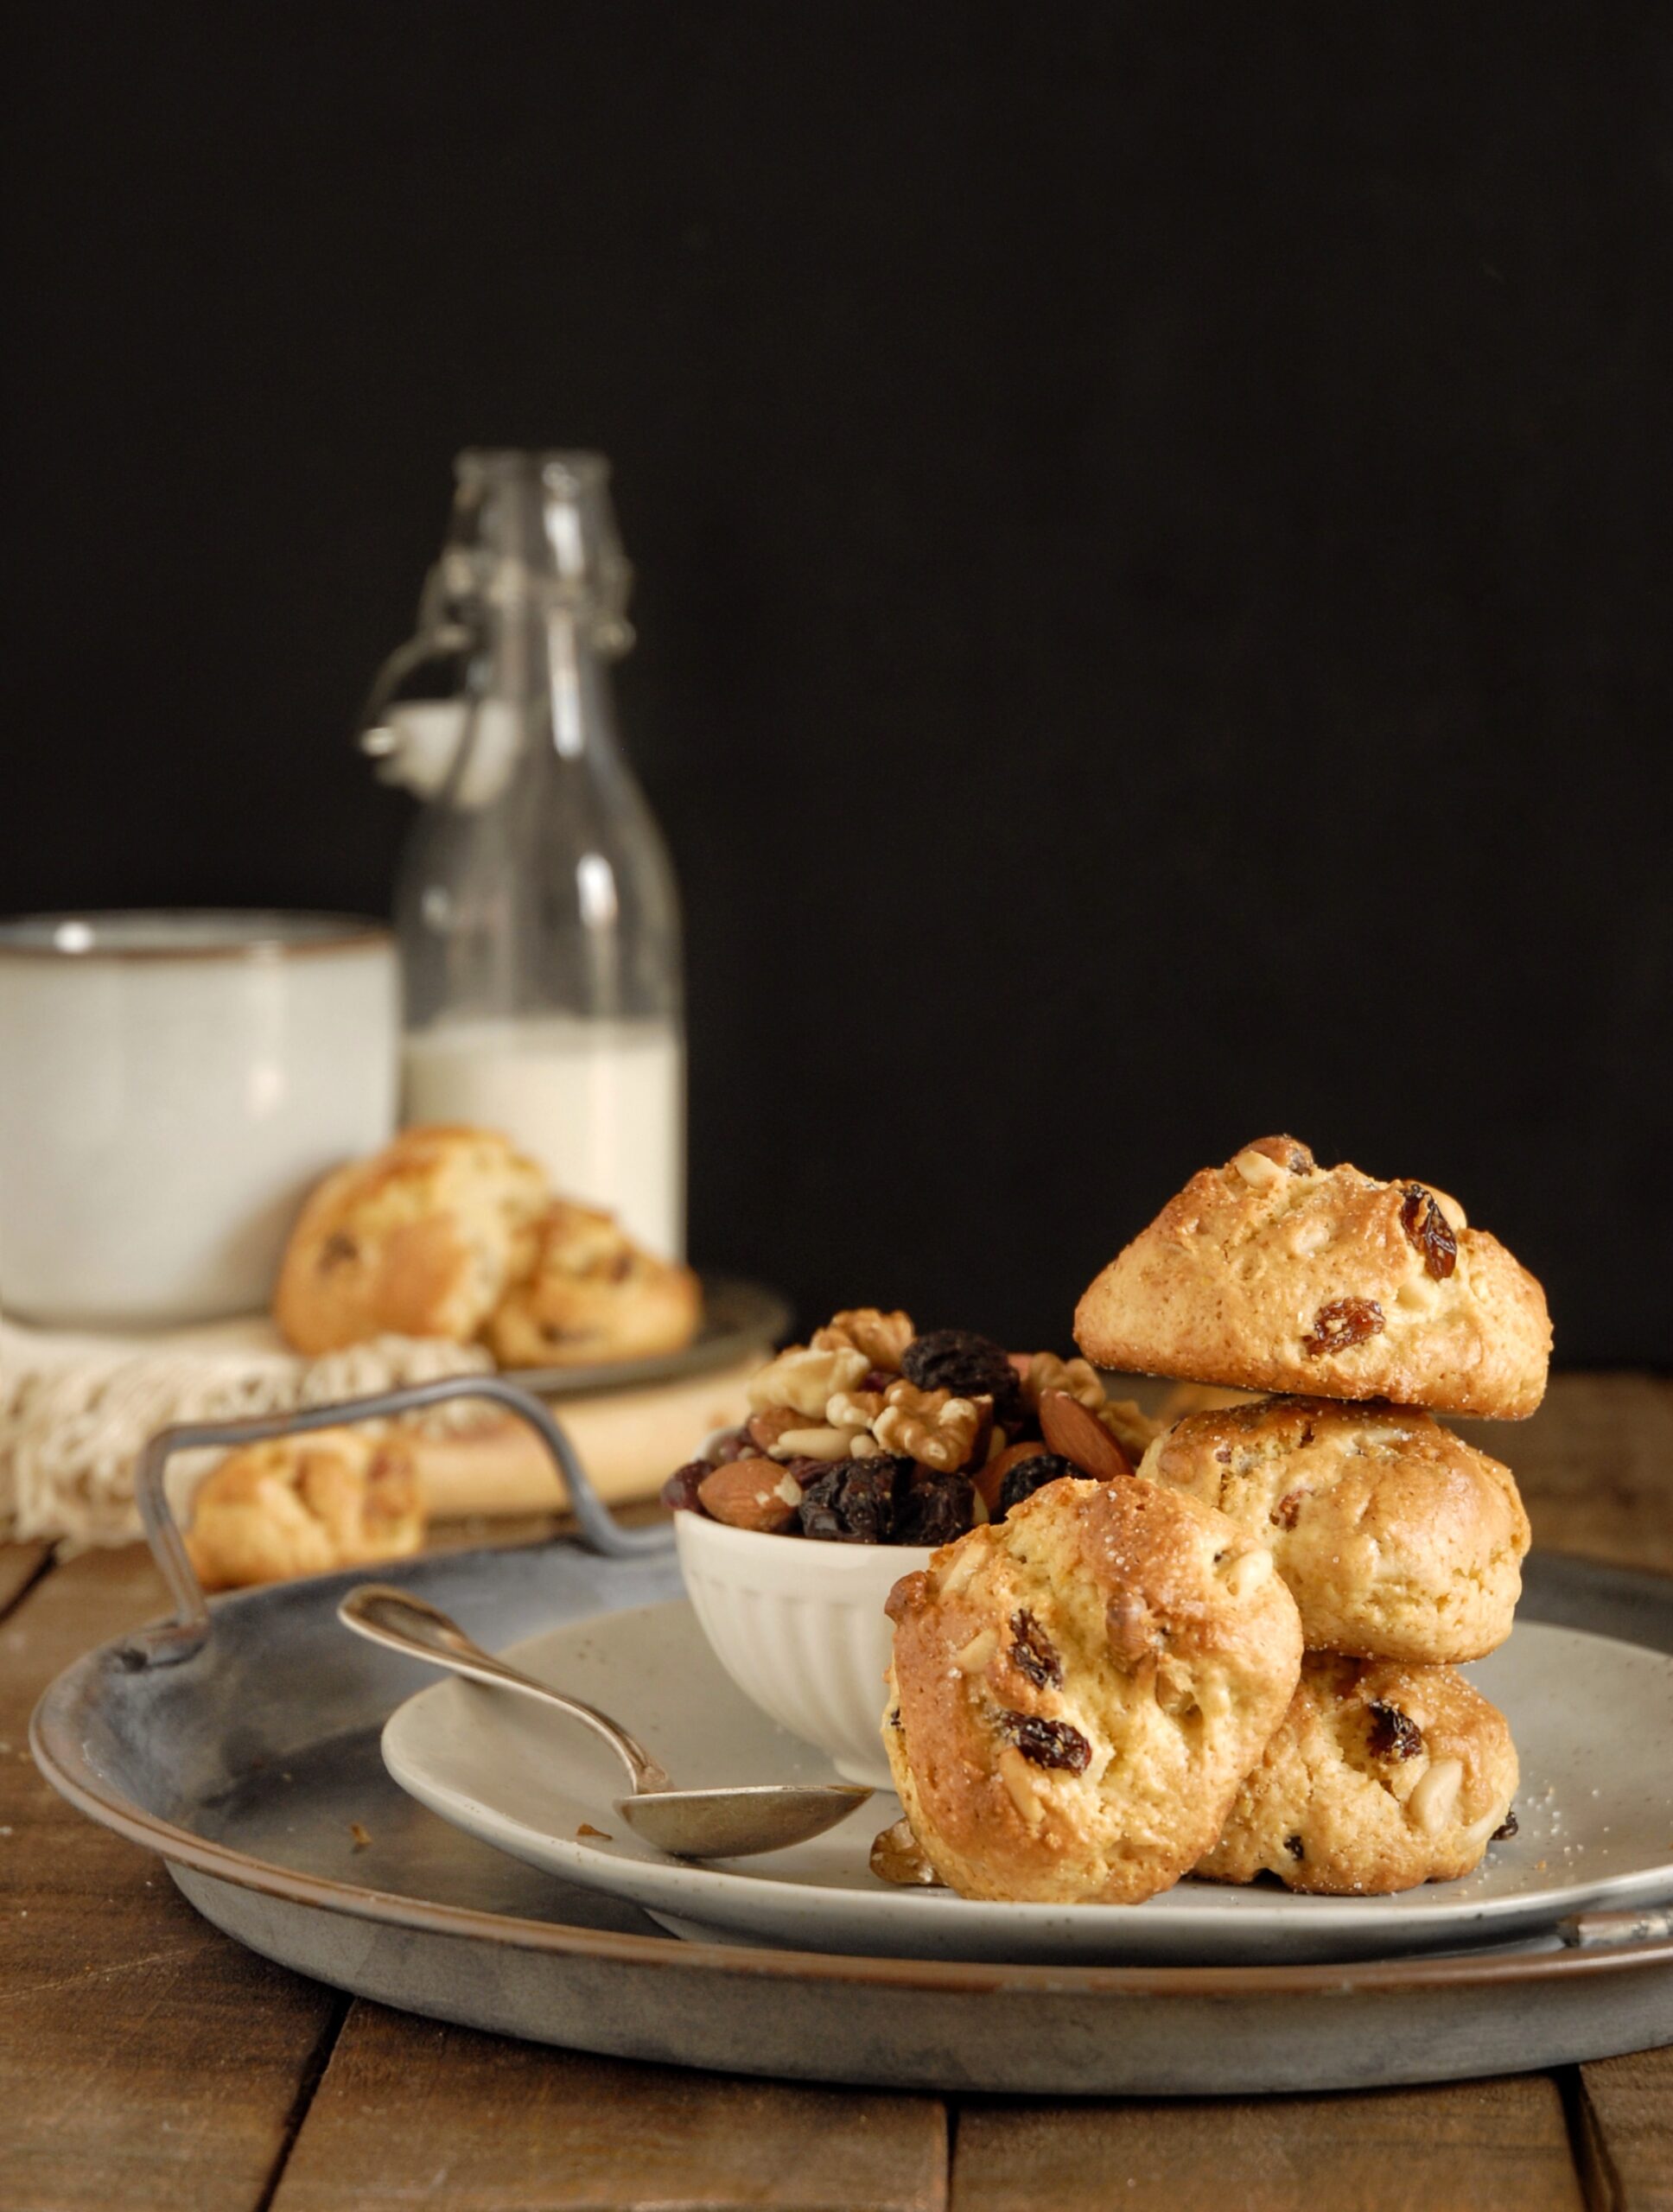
x=1397 y=1540
x=421 y=1240
x=593 y=1295
x=1076 y=1692
x=1381 y=1777
x=1275 y=1274
x=303 y=1505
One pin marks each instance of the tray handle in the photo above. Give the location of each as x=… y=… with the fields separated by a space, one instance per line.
x=1594 y=1931
x=172 y=1640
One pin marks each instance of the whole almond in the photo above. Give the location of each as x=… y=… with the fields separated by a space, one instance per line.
x=991 y=1479
x=750 y=1494
x=1080 y=1438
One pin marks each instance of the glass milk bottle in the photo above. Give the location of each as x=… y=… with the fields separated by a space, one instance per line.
x=537 y=910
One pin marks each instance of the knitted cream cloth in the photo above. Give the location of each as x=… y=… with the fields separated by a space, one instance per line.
x=75 y=1410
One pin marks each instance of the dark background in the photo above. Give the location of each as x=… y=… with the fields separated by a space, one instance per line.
x=1154 y=538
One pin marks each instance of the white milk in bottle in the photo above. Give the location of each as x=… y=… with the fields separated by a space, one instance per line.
x=600 y=1104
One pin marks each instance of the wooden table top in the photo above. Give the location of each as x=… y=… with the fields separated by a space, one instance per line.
x=146 y=2061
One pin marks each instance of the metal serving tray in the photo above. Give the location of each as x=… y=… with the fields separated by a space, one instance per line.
x=240 y=1742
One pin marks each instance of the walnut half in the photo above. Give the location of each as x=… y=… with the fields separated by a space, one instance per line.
x=1076 y=1378
x=806 y=1378
x=883 y=1338
x=931 y=1426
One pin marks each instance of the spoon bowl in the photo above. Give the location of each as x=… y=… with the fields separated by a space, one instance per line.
x=726 y=1823
x=738 y=1823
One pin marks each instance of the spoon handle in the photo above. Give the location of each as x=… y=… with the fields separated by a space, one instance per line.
x=382 y=1614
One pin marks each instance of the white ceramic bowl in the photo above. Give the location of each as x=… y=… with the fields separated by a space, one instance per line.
x=173 y=1085
x=800 y=1627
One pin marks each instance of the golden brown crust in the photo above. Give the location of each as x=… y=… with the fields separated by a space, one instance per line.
x=421 y=1240
x=1397 y=1539
x=1076 y=1692
x=1382 y=1777
x=593 y=1295
x=1273 y=1273
x=304 y=1505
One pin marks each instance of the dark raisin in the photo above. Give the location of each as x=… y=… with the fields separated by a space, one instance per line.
x=1506 y=1828
x=857 y=1504
x=1343 y=1323
x=679 y=1492
x=1223 y=1454
x=337 y=1249
x=1394 y=1734
x=731 y=1443
x=936 y=1509
x=1045 y=1743
x=968 y=1365
x=1286 y=1511
x=1032 y=1474
x=1034 y=1652
x=807 y=1472
x=1294 y=1847
x=820 y=1511
x=1429 y=1230
x=877 y=1378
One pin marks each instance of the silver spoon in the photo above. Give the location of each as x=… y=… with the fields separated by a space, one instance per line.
x=733 y=1823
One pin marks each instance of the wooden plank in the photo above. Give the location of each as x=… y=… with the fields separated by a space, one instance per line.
x=1468 y=2146
x=145 y=2060
x=453 y=1534
x=414 y=2112
x=1626 y=2132
x=20 y=1564
x=1595 y=1466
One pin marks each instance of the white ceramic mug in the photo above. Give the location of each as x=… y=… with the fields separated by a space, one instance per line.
x=170 y=1086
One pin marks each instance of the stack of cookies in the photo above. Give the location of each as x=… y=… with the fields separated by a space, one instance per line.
x=1243 y=1658
x=1370 y=1306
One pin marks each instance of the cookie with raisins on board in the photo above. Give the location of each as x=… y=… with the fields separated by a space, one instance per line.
x=1381 y=1777
x=1275 y=1274
x=1077 y=1691
x=1395 y=1538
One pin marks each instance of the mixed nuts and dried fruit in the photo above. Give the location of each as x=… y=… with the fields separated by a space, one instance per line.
x=874 y=1434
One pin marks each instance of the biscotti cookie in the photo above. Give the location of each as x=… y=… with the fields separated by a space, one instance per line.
x=1381 y=1776
x=421 y=1240
x=1275 y=1274
x=1077 y=1691
x=303 y=1505
x=1395 y=1538
x=593 y=1295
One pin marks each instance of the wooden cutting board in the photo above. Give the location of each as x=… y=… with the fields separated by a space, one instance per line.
x=629 y=1442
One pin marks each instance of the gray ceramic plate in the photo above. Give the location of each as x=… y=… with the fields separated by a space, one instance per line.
x=1593 y=1719
x=738 y=1318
